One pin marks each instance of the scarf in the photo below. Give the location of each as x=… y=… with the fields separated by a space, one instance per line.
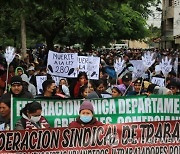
x=42 y=123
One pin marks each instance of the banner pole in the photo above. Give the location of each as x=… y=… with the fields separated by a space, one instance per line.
x=141 y=86
x=11 y=121
x=127 y=88
x=7 y=78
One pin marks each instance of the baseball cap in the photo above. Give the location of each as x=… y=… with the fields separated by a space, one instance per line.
x=31 y=68
x=16 y=80
x=127 y=77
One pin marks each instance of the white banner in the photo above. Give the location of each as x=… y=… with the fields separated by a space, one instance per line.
x=136 y=63
x=83 y=62
x=56 y=79
x=62 y=64
x=93 y=67
x=39 y=81
x=159 y=81
x=90 y=65
x=138 y=69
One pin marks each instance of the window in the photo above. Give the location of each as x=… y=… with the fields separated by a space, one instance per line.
x=170 y=2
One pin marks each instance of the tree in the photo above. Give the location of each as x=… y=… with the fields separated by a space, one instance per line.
x=95 y=22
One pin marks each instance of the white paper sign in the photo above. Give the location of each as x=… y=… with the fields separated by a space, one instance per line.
x=2 y=126
x=9 y=54
x=165 y=66
x=148 y=59
x=119 y=65
x=138 y=69
x=159 y=81
x=136 y=62
x=56 y=79
x=63 y=64
x=39 y=81
x=93 y=67
x=83 y=63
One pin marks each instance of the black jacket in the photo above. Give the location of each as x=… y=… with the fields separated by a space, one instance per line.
x=23 y=94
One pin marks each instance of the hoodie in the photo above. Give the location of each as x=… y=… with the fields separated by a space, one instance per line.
x=16 y=70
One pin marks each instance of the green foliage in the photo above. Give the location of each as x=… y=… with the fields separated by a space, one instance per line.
x=96 y=22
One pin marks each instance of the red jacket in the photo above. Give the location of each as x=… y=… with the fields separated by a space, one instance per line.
x=77 y=87
x=79 y=124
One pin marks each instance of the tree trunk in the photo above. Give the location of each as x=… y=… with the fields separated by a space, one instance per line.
x=88 y=44
x=49 y=42
x=15 y=41
x=23 y=37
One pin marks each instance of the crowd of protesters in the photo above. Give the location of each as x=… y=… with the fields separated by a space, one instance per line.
x=22 y=81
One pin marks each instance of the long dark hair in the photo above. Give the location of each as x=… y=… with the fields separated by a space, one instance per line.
x=31 y=108
x=81 y=90
x=82 y=74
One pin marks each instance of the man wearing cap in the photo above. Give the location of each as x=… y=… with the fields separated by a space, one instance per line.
x=126 y=80
x=17 y=89
x=86 y=117
x=138 y=87
x=174 y=87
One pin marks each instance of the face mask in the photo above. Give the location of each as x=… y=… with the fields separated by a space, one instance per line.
x=35 y=119
x=85 y=119
x=130 y=69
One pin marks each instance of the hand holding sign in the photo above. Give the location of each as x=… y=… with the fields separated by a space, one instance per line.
x=118 y=65
x=9 y=54
x=165 y=66
x=148 y=59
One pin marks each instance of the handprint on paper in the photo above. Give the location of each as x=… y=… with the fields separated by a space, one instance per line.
x=165 y=66
x=119 y=65
x=9 y=54
x=138 y=72
x=148 y=59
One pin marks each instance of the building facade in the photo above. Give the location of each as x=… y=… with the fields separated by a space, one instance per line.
x=170 y=24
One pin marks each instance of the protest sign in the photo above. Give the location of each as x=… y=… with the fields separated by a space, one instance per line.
x=93 y=67
x=83 y=62
x=119 y=65
x=165 y=66
x=56 y=79
x=138 y=69
x=39 y=81
x=133 y=138
x=2 y=126
x=148 y=59
x=136 y=62
x=62 y=64
x=90 y=65
x=60 y=113
x=9 y=56
x=159 y=81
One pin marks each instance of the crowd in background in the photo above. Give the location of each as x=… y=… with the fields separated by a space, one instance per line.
x=22 y=79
